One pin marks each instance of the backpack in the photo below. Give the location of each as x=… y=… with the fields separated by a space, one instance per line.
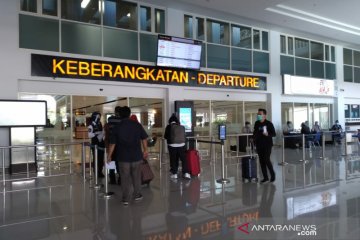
x=177 y=133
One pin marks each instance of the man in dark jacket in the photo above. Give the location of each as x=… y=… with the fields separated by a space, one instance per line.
x=264 y=131
x=128 y=136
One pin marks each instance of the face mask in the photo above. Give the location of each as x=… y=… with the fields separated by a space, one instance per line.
x=259 y=117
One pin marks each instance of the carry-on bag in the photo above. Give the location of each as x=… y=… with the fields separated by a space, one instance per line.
x=147 y=174
x=193 y=162
x=249 y=167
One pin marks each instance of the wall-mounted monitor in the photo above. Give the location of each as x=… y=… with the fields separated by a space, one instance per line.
x=21 y=113
x=185 y=118
x=178 y=52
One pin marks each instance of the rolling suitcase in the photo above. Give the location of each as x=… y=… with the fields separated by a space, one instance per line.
x=193 y=162
x=147 y=174
x=249 y=167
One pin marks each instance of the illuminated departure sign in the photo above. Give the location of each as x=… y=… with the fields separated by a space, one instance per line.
x=63 y=67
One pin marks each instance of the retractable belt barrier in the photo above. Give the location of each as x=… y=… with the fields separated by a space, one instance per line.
x=222 y=180
x=4 y=180
x=107 y=193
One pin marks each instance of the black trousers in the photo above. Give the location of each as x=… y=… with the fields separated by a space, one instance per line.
x=177 y=153
x=264 y=153
x=100 y=162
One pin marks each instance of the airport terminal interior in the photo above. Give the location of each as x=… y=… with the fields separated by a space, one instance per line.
x=218 y=61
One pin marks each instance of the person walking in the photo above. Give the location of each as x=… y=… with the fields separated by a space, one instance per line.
x=264 y=131
x=175 y=136
x=128 y=136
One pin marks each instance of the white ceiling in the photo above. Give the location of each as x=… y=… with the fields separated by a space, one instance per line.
x=333 y=21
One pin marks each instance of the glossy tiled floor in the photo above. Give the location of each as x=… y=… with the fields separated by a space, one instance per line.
x=318 y=199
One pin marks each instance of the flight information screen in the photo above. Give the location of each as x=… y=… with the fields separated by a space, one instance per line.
x=178 y=52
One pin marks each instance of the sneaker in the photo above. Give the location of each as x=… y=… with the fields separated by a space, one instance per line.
x=125 y=203
x=272 y=179
x=174 y=176
x=264 y=181
x=187 y=176
x=138 y=197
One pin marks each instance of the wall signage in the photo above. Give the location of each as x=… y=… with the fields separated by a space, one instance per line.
x=296 y=85
x=63 y=67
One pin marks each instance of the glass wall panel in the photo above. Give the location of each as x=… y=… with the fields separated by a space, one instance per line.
x=354 y=111
x=28 y=5
x=356 y=58
x=283 y=44
x=356 y=74
x=81 y=39
x=290 y=46
x=327 y=53
x=120 y=44
x=159 y=21
x=317 y=51
x=38 y=33
x=241 y=36
x=302 y=67
x=321 y=114
x=217 y=32
x=49 y=7
x=251 y=110
x=203 y=119
x=200 y=28
x=330 y=72
x=148 y=47
x=301 y=48
x=218 y=56
x=149 y=113
x=188 y=26
x=347 y=110
x=225 y=112
x=256 y=39
x=77 y=10
x=317 y=69
x=332 y=53
x=265 y=40
x=347 y=56
x=120 y=14
x=300 y=114
x=348 y=74
x=203 y=55
x=145 y=19
x=241 y=60
x=287 y=65
x=261 y=62
x=287 y=113
x=58 y=130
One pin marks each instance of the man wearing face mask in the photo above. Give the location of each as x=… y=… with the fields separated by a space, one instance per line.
x=95 y=133
x=264 y=131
